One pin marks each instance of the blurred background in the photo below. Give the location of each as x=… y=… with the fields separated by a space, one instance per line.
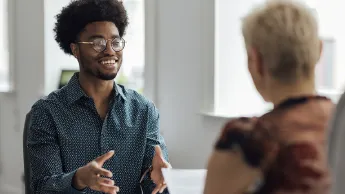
x=186 y=56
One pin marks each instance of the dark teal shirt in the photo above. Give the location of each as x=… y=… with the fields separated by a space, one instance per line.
x=67 y=132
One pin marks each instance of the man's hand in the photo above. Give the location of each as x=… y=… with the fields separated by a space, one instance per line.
x=90 y=176
x=158 y=162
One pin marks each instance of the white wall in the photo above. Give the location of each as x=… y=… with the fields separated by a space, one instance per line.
x=183 y=49
x=55 y=58
x=27 y=62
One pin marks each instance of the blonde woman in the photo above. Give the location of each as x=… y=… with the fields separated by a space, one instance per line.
x=282 y=151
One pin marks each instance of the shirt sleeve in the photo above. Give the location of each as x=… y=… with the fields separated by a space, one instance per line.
x=44 y=156
x=153 y=137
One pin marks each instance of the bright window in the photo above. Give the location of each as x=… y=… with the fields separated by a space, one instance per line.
x=235 y=94
x=4 y=52
x=330 y=69
x=132 y=68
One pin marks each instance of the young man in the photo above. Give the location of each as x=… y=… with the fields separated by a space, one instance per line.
x=284 y=150
x=95 y=136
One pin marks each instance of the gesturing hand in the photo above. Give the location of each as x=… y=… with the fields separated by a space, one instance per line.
x=158 y=162
x=90 y=176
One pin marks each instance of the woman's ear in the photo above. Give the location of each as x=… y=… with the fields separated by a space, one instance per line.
x=255 y=61
x=321 y=49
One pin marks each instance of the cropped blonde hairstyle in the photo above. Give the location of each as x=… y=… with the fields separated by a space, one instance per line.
x=285 y=34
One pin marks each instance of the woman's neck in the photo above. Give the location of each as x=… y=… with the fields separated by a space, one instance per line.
x=279 y=93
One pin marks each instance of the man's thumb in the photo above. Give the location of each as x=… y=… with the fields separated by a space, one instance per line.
x=158 y=151
x=101 y=159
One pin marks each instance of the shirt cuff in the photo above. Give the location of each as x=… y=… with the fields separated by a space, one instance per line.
x=68 y=181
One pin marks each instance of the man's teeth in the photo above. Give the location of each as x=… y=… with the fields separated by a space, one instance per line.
x=109 y=62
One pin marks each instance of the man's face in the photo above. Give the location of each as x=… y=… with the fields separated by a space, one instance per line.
x=103 y=64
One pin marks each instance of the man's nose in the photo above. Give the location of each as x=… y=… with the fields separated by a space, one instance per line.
x=109 y=49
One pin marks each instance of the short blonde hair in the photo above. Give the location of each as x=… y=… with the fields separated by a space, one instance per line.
x=285 y=34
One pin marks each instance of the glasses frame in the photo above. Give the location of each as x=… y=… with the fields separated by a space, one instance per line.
x=106 y=43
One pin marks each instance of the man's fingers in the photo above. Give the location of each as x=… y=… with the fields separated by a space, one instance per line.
x=166 y=165
x=106 y=188
x=156 y=190
x=160 y=187
x=104 y=172
x=100 y=171
x=105 y=181
x=164 y=186
x=101 y=159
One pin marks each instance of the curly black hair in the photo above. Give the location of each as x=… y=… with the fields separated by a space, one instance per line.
x=74 y=17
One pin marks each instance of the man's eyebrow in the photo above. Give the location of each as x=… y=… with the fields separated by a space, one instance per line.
x=115 y=36
x=95 y=36
x=100 y=36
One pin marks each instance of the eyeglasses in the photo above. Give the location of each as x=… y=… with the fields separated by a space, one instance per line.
x=100 y=44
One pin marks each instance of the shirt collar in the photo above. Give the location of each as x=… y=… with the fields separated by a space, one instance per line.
x=119 y=91
x=75 y=92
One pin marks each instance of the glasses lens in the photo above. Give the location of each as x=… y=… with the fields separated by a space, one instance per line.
x=118 y=44
x=99 y=44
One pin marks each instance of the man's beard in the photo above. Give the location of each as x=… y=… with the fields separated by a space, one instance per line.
x=98 y=73
x=103 y=76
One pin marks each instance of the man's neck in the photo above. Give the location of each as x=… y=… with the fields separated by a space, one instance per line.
x=281 y=92
x=99 y=90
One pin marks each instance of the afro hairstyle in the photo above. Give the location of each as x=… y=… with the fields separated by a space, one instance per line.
x=75 y=16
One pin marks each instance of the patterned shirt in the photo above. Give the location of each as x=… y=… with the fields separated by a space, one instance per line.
x=67 y=133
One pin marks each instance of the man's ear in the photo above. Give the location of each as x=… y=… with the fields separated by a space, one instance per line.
x=74 y=49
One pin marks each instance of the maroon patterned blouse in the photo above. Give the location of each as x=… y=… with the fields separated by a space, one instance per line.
x=279 y=141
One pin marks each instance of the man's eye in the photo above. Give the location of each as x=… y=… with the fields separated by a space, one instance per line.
x=98 y=42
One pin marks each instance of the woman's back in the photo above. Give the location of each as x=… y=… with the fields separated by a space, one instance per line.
x=300 y=125
x=286 y=146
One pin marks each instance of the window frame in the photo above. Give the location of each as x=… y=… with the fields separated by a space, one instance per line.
x=11 y=44
x=151 y=52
